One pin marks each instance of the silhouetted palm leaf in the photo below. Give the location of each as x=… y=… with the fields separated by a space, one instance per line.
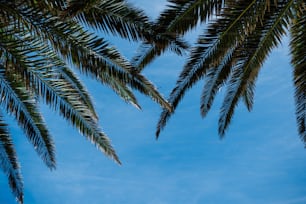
x=176 y=20
x=115 y=16
x=233 y=49
x=9 y=162
x=22 y=105
x=40 y=41
x=297 y=44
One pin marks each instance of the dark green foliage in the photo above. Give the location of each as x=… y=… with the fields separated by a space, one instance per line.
x=9 y=163
x=40 y=41
x=232 y=50
x=298 y=51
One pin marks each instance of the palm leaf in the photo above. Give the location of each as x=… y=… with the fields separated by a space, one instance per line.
x=215 y=78
x=41 y=68
x=176 y=20
x=236 y=21
x=118 y=17
x=148 y=51
x=297 y=45
x=254 y=51
x=24 y=51
x=183 y=15
x=114 y=16
x=60 y=95
x=37 y=40
x=94 y=56
x=9 y=162
x=88 y=53
x=22 y=105
x=77 y=85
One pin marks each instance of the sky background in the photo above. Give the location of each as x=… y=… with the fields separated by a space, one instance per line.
x=260 y=160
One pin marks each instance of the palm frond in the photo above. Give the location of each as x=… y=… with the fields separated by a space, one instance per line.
x=229 y=30
x=94 y=56
x=114 y=16
x=24 y=51
x=42 y=69
x=37 y=41
x=9 y=162
x=215 y=78
x=148 y=51
x=60 y=95
x=248 y=95
x=24 y=16
x=176 y=20
x=89 y=53
x=69 y=76
x=22 y=105
x=183 y=15
x=254 y=51
x=297 y=45
x=107 y=61
x=119 y=17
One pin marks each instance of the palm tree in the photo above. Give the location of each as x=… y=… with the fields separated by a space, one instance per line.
x=40 y=43
x=238 y=37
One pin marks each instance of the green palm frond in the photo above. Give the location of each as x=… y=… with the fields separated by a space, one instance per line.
x=40 y=39
x=183 y=15
x=61 y=96
x=248 y=95
x=104 y=61
x=175 y=21
x=76 y=84
x=114 y=16
x=297 y=45
x=215 y=79
x=254 y=51
x=118 y=17
x=235 y=22
x=9 y=162
x=95 y=57
x=22 y=105
x=147 y=51
x=24 y=53
x=233 y=49
x=43 y=70
x=92 y=55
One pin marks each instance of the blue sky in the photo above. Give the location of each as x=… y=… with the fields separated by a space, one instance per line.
x=261 y=159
